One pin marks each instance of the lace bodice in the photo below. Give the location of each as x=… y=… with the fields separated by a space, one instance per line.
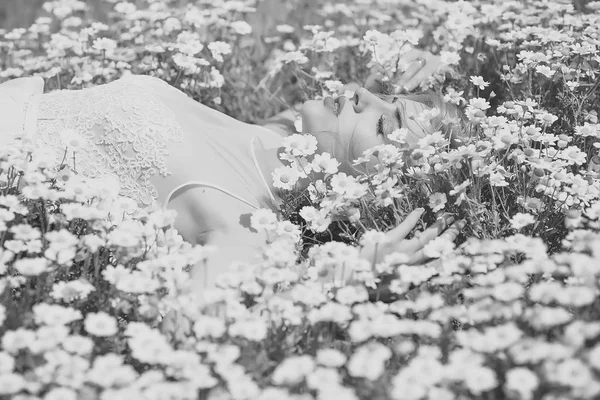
x=120 y=128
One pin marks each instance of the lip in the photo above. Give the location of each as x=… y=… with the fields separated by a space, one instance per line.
x=342 y=102
x=330 y=103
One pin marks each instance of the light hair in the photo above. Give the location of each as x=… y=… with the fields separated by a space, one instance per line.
x=450 y=121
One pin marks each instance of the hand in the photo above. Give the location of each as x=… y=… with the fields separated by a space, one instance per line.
x=414 y=67
x=395 y=241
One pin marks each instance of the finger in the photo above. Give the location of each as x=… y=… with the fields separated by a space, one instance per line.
x=444 y=220
x=412 y=55
x=434 y=230
x=404 y=228
x=416 y=244
x=374 y=84
x=412 y=247
x=377 y=69
x=453 y=231
x=419 y=256
x=413 y=69
x=421 y=239
x=431 y=233
x=423 y=74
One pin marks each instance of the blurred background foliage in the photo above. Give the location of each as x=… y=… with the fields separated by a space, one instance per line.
x=281 y=92
x=21 y=13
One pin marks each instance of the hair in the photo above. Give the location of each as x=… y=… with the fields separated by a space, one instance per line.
x=450 y=121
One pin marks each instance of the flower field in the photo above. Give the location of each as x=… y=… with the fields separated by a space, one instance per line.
x=95 y=295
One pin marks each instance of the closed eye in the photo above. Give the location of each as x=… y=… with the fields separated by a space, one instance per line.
x=397 y=114
x=379 y=128
x=380 y=122
x=398 y=117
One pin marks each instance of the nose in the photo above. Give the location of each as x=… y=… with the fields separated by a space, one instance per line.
x=362 y=99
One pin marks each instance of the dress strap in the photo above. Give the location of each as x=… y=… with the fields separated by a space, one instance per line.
x=198 y=183
x=259 y=171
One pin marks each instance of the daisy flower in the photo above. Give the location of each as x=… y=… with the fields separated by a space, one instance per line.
x=341 y=182
x=521 y=220
x=300 y=144
x=324 y=163
x=437 y=201
x=331 y=358
x=31 y=266
x=449 y=57
x=285 y=177
x=479 y=82
x=263 y=219
x=100 y=324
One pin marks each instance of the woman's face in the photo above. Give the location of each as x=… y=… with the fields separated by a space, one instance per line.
x=364 y=120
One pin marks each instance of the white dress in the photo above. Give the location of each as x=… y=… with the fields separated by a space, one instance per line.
x=149 y=135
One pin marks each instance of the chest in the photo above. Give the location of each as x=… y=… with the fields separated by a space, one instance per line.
x=204 y=211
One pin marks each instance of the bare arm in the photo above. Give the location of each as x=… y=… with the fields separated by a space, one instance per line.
x=209 y=217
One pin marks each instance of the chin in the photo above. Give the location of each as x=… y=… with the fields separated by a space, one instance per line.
x=314 y=116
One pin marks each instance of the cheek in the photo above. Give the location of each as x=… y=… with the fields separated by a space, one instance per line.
x=316 y=117
x=361 y=134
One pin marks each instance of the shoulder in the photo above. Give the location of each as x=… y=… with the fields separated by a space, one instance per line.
x=282 y=127
x=149 y=82
x=23 y=87
x=15 y=96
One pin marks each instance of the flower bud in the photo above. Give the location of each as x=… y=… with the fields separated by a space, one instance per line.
x=148 y=312
x=124 y=306
x=531 y=131
x=573 y=219
x=594 y=164
x=353 y=214
x=506 y=138
x=592 y=117
x=573 y=214
x=560 y=175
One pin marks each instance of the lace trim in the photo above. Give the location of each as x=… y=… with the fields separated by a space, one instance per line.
x=120 y=128
x=210 y=185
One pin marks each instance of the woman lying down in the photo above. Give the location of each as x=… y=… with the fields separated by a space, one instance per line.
x=166 y=148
